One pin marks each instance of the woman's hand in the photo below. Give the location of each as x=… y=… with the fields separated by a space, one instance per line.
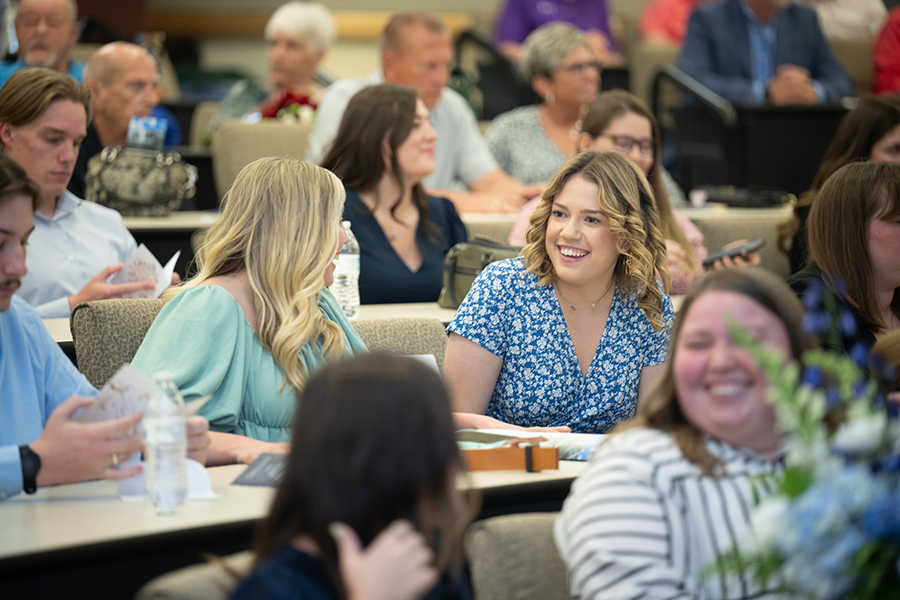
x=198 y=439
x=230 y=448
x=397 y=565
x=473 y=421
x=727 y=262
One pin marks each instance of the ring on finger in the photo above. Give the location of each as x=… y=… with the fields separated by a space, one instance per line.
x=115 y=459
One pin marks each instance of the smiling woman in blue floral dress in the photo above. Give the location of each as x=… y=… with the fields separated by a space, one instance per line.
x=573 y=332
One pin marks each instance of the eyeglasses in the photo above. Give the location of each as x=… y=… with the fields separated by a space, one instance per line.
x=624 y=144
x=576 y=68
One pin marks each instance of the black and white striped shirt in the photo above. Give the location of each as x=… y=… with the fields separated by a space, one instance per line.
x=642 y=521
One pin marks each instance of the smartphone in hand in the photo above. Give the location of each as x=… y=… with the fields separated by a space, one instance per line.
x=742 y=251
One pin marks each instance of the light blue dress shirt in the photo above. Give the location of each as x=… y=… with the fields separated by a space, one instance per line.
x=35 y=378
x=762 y=54
x=67 y=250
x=76 y=70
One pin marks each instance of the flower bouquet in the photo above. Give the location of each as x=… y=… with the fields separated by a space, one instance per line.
x=831 y=529
x=290 y=107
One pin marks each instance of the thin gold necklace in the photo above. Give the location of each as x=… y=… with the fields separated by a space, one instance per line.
x=572 y=306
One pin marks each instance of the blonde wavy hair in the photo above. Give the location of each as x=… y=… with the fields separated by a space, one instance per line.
x=279 y=222
x=626 y=198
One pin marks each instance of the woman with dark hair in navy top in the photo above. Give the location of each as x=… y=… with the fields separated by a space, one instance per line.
x=383 y=149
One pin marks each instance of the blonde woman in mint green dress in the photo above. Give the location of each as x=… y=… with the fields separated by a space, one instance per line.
x=257 y=318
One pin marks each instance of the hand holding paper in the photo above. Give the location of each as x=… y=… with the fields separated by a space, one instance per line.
x=142 y=266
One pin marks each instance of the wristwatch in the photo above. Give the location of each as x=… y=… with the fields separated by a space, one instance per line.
x=31 y=464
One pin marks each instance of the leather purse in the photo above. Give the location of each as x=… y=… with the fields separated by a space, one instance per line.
x=464 y=262
x=139 y=183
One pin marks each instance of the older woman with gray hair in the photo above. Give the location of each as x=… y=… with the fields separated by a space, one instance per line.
x=297 y=36
x=531 y=142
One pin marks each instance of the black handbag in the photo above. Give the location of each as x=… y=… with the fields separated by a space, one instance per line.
x=464 y=262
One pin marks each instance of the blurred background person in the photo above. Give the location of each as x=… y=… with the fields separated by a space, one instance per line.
x=298 y=35
x=854 y=245
x=532 y=142
x=871 y=131
x=382 y=151
x=46 y=31
x=520 y=17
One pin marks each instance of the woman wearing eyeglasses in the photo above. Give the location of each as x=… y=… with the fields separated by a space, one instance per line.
x=620 y=122
x=532 y=142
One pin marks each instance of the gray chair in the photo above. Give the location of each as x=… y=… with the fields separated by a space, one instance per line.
x=404 y=336
x=208 y=581
x=513 y=557
x=108 y=333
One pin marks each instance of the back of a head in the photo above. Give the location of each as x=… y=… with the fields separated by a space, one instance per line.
x=373 y=115
x=28 y=92
x=305 y=21
x=372 y=439
x=394 y=37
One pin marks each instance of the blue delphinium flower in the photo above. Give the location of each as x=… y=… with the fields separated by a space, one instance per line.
x=823 y=532
x=882 y=519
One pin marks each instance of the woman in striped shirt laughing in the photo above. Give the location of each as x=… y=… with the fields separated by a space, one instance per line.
x=671 y=492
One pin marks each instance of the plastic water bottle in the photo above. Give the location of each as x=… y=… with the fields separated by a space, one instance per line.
x=346 y=276
x=165 y=447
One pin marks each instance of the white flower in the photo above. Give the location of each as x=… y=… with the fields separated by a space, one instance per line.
x=862 y=435
x=767 y=524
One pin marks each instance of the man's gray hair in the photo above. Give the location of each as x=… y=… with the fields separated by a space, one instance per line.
x=304 y=21
x=547 y=46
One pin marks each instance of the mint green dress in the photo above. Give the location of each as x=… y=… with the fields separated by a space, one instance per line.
x=202 y=337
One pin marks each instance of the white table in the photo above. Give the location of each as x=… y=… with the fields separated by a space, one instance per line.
x=80 y=541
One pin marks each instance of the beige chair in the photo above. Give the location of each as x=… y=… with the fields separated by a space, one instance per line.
x=235 y=145
x=751 y=224
x=404 y=336
x=203 y=113
x=108 y=333
x=206 y=581
x=513 y=557
x=855 y=54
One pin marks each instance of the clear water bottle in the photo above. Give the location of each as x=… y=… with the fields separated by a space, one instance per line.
x=346 y=276
x=165 y=447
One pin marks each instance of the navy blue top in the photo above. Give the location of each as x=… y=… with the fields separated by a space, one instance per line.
x=291 y=574
x=383 y=277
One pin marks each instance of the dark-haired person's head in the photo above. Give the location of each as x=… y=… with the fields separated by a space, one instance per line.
x=372 y=443
x=19 y=198
x=43 y=119
x=854 y=238
x=376 y=122
x=869 y=132
x=713 y=387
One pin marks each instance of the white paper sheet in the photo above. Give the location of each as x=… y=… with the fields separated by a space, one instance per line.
x=143 y=266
